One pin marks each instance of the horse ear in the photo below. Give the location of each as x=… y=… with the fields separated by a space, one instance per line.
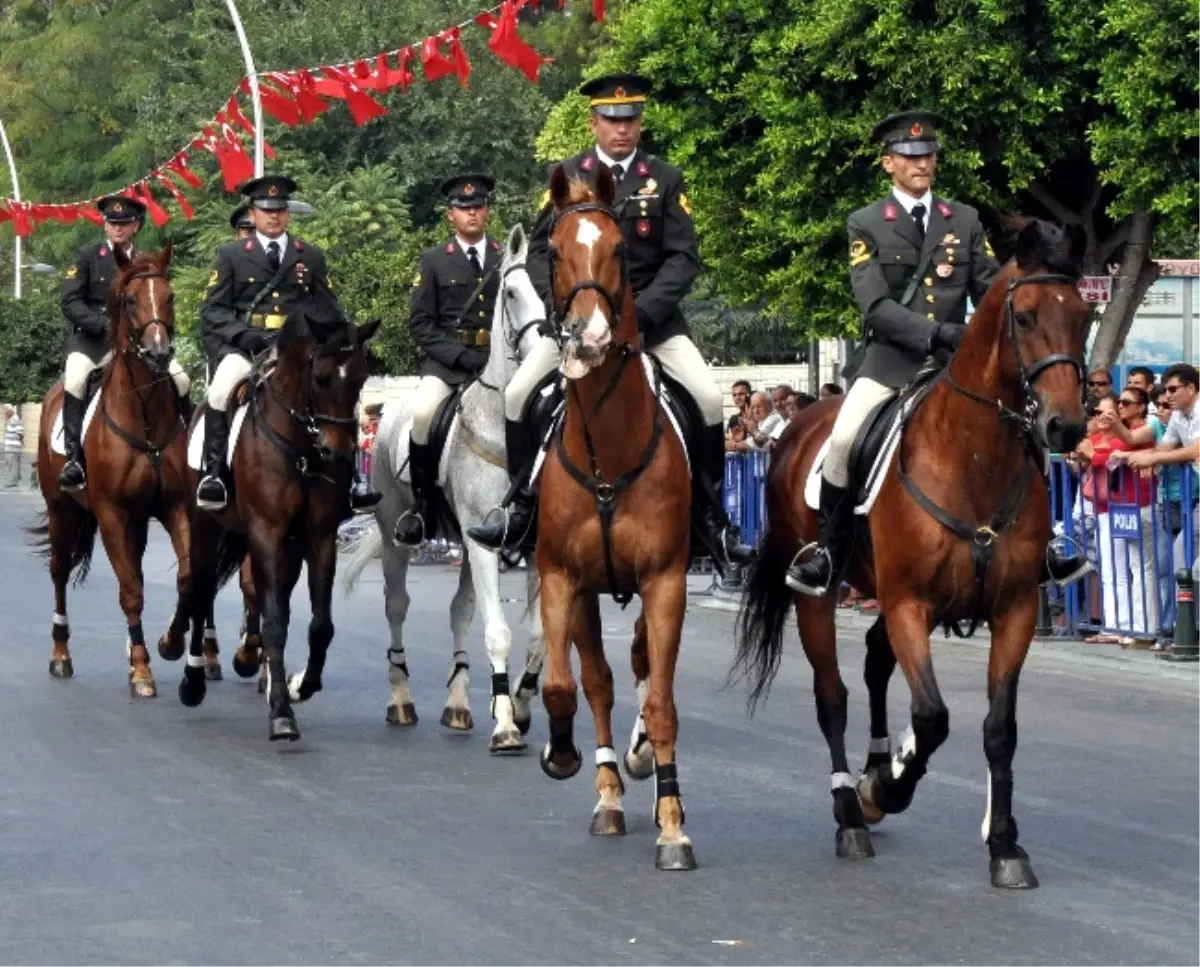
x=606 y=188
x=1028 y=241
x=366 y=330
x=560 y=187
x=518 y=244
x=165 y=256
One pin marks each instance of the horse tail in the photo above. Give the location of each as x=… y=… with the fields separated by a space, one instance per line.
x=766 y=604
x=367 y=548
x=231 y=551
x=83 y=542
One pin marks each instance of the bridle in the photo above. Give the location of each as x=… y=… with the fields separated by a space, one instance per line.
x=513 y=337
x=1030 y=407
x=615 y=303
x=128 y=302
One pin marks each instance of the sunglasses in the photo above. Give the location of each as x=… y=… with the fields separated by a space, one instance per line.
x=1172 y=389
x=1127 y=402
x=1099 y=382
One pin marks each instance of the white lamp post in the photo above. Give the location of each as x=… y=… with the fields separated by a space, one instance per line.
x=16 y=196
x=254 y=95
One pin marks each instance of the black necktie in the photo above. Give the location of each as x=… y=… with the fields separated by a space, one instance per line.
x=474 y=257
x=918 y=214
x=273 y=255
x=618 y=173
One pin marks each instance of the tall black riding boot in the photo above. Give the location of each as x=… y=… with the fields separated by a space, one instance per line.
x=410 y=528
x=363 y=497
x=722 y=533
x=73 y=476
x=819 y=573
x=211 y=494
x=512 y=527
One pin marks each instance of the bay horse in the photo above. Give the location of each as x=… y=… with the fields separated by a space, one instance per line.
x=957 y=532
x=135 y=452
x=291 y=471
x=476 y=480
x=613 y=515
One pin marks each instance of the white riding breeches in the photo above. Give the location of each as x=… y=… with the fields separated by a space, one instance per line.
x=80 y=366
x=865 y=394
x=679 y=357
x=232 y=369
x=430 y=393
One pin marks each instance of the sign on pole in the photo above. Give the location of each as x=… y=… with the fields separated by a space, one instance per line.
x=1096 y=288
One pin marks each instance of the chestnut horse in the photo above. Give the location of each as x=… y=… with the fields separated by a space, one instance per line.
x=291 y=476
x=958 y=532
x=135 y=452
x=613 y=515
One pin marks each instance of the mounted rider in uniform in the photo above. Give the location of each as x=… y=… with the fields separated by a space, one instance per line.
x=450 y=317
x=652 y=207
x=256 y=284
x=84 y=301
x=241 y=222
x=914 y=259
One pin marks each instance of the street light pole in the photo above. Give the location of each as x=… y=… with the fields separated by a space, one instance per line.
x=254 y=94
x=16 y=196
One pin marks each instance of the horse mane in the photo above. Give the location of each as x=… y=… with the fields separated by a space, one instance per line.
x=328 y=331
x=142 y=262
x=580 y=192
x=1045 y=245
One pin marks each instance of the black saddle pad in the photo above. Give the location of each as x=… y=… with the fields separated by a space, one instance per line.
x=874 y=431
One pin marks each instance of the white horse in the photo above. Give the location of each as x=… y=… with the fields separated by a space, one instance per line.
x=474 y=478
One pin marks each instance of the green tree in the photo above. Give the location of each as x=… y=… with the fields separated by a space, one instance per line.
x=31 y=350
x=1076 y=109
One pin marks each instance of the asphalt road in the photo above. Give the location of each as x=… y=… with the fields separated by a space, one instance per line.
x=151 y=833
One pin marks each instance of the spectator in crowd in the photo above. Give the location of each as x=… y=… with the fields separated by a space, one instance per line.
x=1099 y=383
x=1158 y=406
x=370 y=428
x=741 y=403
x=779 y=399
x=830 y=389
x=1128 y=605
x=761 y=423
x=14 y=443
x=798 y=402
x=1142 y=377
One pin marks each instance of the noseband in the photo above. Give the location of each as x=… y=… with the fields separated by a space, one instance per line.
x=615 y=303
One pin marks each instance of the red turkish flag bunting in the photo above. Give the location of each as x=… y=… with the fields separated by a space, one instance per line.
x=510 y=48
x=434 y=63
x=174 y=192
x=89 y=212
x=20 y=219
x=158 y=215
x=362 y=106
x=598 y=10
x=281 y=107
x=234 y=112
x=179 y=166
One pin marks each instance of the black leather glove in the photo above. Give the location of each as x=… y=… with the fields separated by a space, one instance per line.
x=947 y=336
x=473 y=359
x=253 y=341
x=96 y=327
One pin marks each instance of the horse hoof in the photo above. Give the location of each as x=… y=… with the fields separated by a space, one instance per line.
x=212 y=672
x=244 y=668
x=405 y=714
x=637 y=767
x=854 y=843
x=560 y=767
x=458 y=719
x=1013 y=873
x=608 y=822
x=866 y=799
x=142 y=688
x=169 y=652
x=61 y=668
x=674 y=856
x=191 y=691
x=507 y=740
x=284 y=727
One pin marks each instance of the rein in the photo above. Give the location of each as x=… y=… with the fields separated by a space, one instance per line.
x=982 y=538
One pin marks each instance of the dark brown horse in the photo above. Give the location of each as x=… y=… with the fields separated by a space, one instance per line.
x=291 y=476
x=135 y=451
x=613 y=515
x=958 y=532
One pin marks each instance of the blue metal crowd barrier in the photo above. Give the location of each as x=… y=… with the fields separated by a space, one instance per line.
x=1145 y=534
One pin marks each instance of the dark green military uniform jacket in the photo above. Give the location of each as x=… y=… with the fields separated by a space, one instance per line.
x=242 y=270
x=84 y=300
x=660 y=240
x=885 y=250
x=454 y=336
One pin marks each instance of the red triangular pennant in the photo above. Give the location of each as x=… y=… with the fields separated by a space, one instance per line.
x=362 y=106
x=510 y=48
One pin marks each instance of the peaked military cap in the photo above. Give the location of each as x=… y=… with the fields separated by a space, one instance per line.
x=468 y=191
x=617 y=95
x=270 y=192
x=241 y=217
x=118 y=209
x=909 y=133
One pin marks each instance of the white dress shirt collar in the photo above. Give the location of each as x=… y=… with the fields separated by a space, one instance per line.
x=610 y=161
x=264 y=242
x=480 y=248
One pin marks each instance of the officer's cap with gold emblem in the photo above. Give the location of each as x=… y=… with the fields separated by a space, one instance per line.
x=617 y=95
x=468 y=191
x=911 y=133
x=270 y=192
x=119 y=210
x=241 y=217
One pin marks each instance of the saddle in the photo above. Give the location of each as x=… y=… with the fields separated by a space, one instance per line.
x=91 y=396
x=440 y=519
x=240 y=401
x=875 y=445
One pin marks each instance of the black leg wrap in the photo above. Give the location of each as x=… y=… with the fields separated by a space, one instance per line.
x=499 y=683
x=458 y=666
x=666 y=784
x=612 y=767
x=528 y=682
x=253 y=624
x=136 y=636
x=562 y=738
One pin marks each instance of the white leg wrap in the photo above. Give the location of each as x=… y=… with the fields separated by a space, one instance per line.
x=986 y=829
x=60 y=620
x=908 y=748
x=841 y=780
x=605 y=756
x=195 y=661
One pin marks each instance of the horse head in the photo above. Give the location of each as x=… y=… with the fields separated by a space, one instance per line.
x=591 y=296
x=1032 y=326
x=321 y=369
x=519 y=314
x=142 y=305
